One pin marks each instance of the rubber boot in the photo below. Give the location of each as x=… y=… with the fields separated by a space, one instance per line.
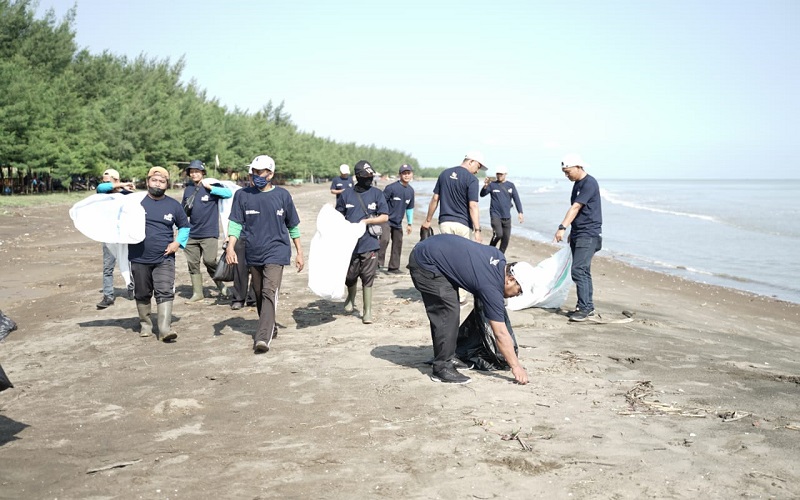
x=366 y=318
x=197 y=288
x=165 y=322
x=145 y=322
x=223 y=290
x=350 y=303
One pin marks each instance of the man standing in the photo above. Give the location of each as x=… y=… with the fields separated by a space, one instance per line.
x=339 y=184
x=265 y=215
x=457 y=190
x=366 y=204
x=586 y=237
x=153 y=259
x=400 y=201
x=201 y=204
x=503 y=196
x=111 y=184
x=443 y=263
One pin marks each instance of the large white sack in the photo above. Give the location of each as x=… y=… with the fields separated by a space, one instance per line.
x=110 y=218
x=331 y=249
x=552 y=278
x=225 y=204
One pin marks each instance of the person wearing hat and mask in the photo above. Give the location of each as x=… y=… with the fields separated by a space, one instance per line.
x=153 y=259
x=201 y=204
x=111 y=184
x=339 y=184
x=265 y=215
x=366 y=204
x=443 y=263
x=400 y=201
x=585 y=217
x=503 y=196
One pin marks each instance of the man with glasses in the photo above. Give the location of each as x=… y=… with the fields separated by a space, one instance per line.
x=585 y=215
x=441 y=264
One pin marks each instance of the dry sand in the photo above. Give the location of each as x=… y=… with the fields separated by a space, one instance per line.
x=697 y=397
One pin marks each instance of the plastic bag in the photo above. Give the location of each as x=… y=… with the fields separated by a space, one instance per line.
x=331 y=250
x=476 y=343
x=4 y=382
x=552 y=278
x=224 y=270
x=7 y=325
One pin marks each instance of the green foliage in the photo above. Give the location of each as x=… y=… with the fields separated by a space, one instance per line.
x=67 y=112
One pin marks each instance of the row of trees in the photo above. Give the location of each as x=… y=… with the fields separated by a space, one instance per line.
x=67 y=112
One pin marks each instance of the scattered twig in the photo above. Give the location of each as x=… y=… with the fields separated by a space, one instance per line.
x=762 y=474
x=117 y=465
x=523 y=443
x=577 y=462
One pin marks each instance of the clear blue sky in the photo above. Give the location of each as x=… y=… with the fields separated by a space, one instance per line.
x=641 y=89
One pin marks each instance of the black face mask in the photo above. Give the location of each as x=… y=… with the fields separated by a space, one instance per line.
x=156 y=192
x=364 y=182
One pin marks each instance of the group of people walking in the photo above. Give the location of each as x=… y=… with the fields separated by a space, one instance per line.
x=264 y=226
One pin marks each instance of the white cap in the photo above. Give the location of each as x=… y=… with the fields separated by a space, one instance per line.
x=501 y=170
x=112 y=173
x=525 y=275
x=262 y=162
x=344 y=168
x=573 y=160
x=477 y=156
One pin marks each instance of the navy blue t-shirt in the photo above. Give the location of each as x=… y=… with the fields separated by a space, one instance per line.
x=266 y=218
x=341 y=183
x=160 y=217
x=503 y=195
x=479 y=269
x=398 y=199
x=456 y=187
x=348 y=205
x=589 y=221
x=205 y=212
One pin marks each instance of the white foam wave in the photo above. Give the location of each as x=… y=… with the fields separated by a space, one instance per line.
x=611 y=198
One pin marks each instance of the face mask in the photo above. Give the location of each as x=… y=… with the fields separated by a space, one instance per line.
x=260 y=182
x=364 y=182
x=156 y=192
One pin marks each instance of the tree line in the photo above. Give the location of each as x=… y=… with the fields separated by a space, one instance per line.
x=65 y=112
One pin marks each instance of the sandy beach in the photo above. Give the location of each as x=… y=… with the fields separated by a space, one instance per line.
x=698 y=396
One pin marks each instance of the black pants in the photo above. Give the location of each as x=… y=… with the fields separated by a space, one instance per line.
x=267 y=283
x=395 y=234
x=444 y=312
x=154 y=280
x=363 y=266
x=502 y=233
x=241 y=293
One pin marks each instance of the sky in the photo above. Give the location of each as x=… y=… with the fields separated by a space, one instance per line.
x=642 y=90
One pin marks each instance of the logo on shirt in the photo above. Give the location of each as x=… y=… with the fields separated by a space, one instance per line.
x=373 y=206
x=493 y=261
x=204 y=198
x=349 y=205
x=397 y=198
x=454 y=176
x=168 y=217
x=251 y=212
x=408 y=201
x=510 y=190
x=279 y=213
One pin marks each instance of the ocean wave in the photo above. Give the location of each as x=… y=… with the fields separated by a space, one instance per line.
x=611 y=198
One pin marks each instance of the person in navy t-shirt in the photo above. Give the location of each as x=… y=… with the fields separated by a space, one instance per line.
x=443 y=263
x=339 y=184
x=456 y=195
x=153 y=259
x=400 y=201
x=204 y=219
x=366 y=204
x=265 y=215
x=504 y=195
x=585 y=215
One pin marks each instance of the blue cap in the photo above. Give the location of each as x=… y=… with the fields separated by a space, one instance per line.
x=199 y=165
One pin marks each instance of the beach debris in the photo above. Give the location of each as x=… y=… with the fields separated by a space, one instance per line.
x=731 y=416
x=7 y=325
x=117 y=465
x=640 y=401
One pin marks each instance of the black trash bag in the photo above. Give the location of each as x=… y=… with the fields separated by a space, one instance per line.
x=7 y=325
x=4 y=382
x=224 y=270
x=476 y=343
x=425 y=232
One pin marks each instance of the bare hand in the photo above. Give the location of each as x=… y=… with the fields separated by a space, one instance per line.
x=230 y=255
x=520 y=375
x=172 y=248
x=299 y=262
x=408 y=229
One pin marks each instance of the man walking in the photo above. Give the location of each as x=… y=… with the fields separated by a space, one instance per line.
x=443 y=263
x=339 y=184
x=111 y=184
x=400 y=202
x=503 y=195
x=585 y=216
x=457 y=191
x=266 y=216
x=201 y=204
x=153 y=259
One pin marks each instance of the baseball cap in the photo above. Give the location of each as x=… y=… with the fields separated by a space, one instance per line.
x=406 y=168
x=525 y=275
x=501 y=170
x=344 y=168
x=364 y=169
x=112 y=173
x=262 y=162
x=477 y=156
x=199 y=165
x=573 y=160
x=158 y=171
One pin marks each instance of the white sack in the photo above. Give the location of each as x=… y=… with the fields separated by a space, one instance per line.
x=110 y=218
x=552 y=278
x=331 y=249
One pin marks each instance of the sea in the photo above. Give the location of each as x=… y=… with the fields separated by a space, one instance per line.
x=741 y=234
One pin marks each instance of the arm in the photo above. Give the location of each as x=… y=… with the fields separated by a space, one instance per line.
x=518 y=206
x=409 y=219
x=568 y=218
x=506 y=347
x=234 y=231
x=475 y=215
x=298 y=261
x=485 y=188
x=431 y=210
x=220 y=191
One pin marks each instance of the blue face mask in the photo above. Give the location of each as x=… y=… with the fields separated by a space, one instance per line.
x=260 y=182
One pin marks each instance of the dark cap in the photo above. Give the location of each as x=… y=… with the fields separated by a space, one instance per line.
x=196 y=164
x=364 y=169
x=406 y=168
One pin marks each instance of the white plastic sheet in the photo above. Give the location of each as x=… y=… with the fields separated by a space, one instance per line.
x=331 y=249
x=110 y=218
x=552 y=278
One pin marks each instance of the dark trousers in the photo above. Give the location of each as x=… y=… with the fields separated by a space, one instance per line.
x=364 y=266
x=154 y=279
x=241 y=275
x=444 y=313
x=205 y=249
x=502 y=233
x=267 y=283
x=395 y=234
x=583 y=249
